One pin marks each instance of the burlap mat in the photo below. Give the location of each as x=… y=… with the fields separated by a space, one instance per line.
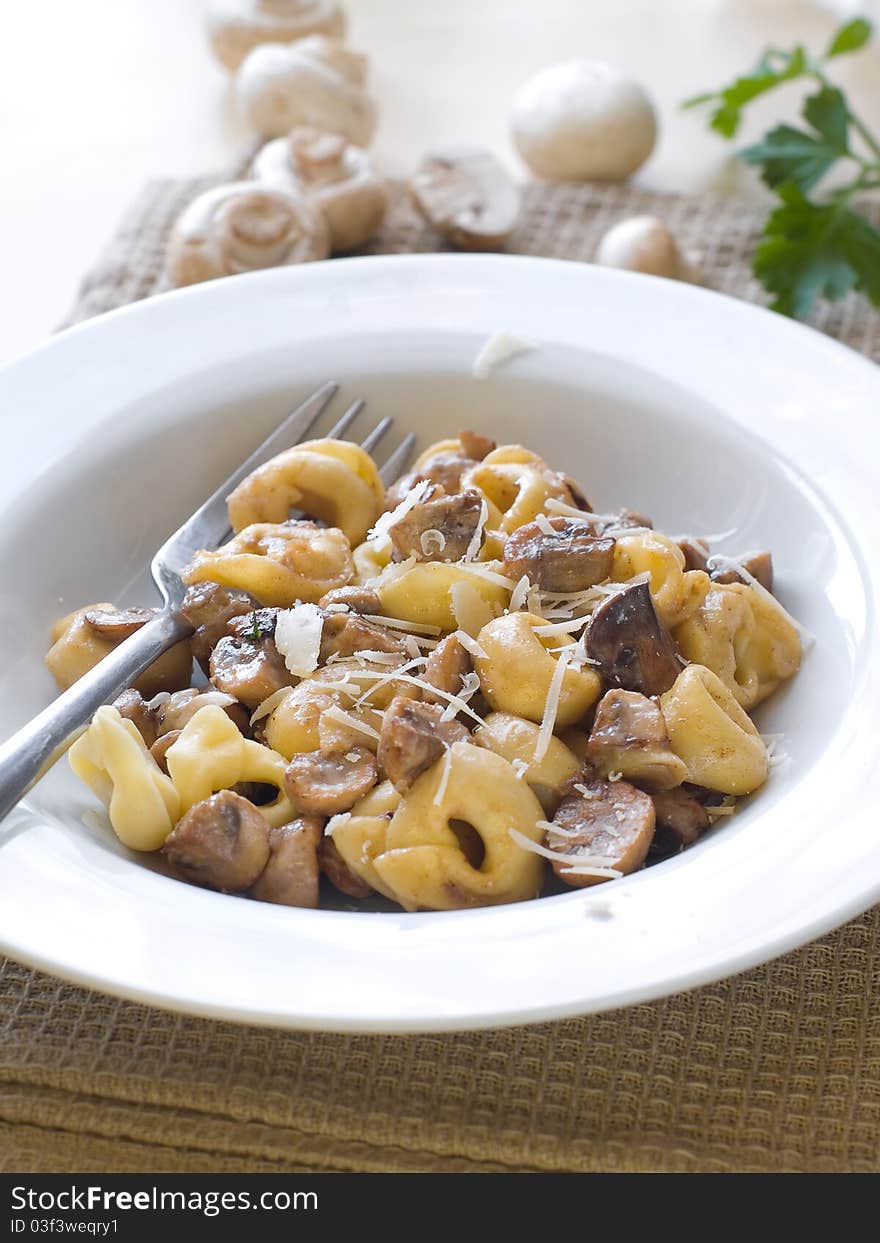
x=777 y=1069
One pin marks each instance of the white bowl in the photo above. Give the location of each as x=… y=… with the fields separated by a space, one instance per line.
x=704 y=412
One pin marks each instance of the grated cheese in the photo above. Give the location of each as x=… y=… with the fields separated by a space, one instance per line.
x=520 y=767
x=432 y=541
x=476 y=540
x=498 y=349
x=398 y=623
x=519 y=594
x=270 y=704
x=551 y=707
x=723 y=562
x=348 y=718
x=482 y=571
x=616 y=775
x=470 y=610
x=533 y=602
x=386 y=521
x=542 y=522
x=563 y=627
x=470 y=644
x=470 y=684
x=444 y=778
x=577 y=865
x=336 y=822
x=411 y=681
x=298 y=633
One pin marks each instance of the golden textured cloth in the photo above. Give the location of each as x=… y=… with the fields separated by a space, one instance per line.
x=777 y=1069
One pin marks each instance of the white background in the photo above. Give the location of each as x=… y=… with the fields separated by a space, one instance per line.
x=96 y=96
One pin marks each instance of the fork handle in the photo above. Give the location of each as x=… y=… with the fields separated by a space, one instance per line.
x=30 y=753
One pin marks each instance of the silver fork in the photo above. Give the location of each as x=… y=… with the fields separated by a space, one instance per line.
x=29 y=754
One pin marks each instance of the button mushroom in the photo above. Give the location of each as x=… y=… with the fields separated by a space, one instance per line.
x=758 y=564
x=221 y=843
x=249 y=671
x=583 y=120
x=604 y=824
x=413 y=738
x=244 y=227
x=629 y=737
x=475 y=445
x=358 y=599
x=236 y=27
x=645 y=244
x=209 y=607
x=680 y=815
x=572 y=558
x=291 y=874
x=448 y=664
x=335 y=175
x=467 y=196
x=329 y=784
x=631 y=646
x=338 y=872
x=315 y=81
x=440 y=529
x=344 y=634
x=83 y=638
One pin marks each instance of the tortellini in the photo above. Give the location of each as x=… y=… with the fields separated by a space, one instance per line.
x=516 y=670
x=748 y=643
x=334 y=481
x=211 y=755
x=516 y=741
x=713 y=735
x=278 y=564
x=418 y=857
x=112 y=759
x=424 y=593
x=676 y=592
x=516 y=484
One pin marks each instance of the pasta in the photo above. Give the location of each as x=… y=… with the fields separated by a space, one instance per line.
x=468 y=690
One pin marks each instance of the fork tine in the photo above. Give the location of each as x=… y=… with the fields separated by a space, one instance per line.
x=369 y=442
x=398 y=461
x=339 y=429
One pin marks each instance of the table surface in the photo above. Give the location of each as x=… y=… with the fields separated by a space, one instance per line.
x=96 y=98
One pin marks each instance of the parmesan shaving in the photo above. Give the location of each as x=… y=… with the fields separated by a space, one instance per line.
x=432 y=541
x=533 y=602
x=397 y=623
x=386 y=521
x=616 y=775
x=551 y=707
x=731 y=563
x=564 y=627
x=298 y=638
x=270 y=704
x=348 y=718
x=499 y=349
x=476 y=541
x=520 y=767
x=411 y=681
x=555 y=506
x=470 y=610
x=470 y=684
x=542 y=522
x=482 y=571
x=519 y=593
x=336 y=608
x=470 y=644
x=336 y=822
x=444 y=778
x=577 y=865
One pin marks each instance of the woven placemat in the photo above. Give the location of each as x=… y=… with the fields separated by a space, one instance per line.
x=777 y=1069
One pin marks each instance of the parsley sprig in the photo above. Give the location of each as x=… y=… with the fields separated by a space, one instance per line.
x=810 y=248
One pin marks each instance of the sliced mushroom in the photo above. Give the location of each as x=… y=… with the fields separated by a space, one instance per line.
x=444 y=468
x=291 y=875
x=413 y=738
x=248 y=671
x=329 y=784
x=681 y=815
x=438 y=529
x=475 y=445
x=358 y=599
x=572 y=559
x=210 y=607
x=696 y=554
x=160 y=747
x=256 y=625
x=447 y=665
x=759 y=565
x=610 y=821
x=132 y=705
x=117 y=624
x=344 y=634
x=221 y=843
x=629 y=737
x=630 y=644
x=338 y=872
x=176 y=711
x=468 y=197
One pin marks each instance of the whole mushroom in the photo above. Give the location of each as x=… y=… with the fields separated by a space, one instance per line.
x=236 y=27
x=645 y=244
x=315 y=81
x=336 y=175
x=583 y=120
x=241 y=227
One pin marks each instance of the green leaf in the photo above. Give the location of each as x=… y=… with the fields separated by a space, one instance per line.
x=850 y=38
x=789 y=154
x=812 y=250
x=774 y=68
x=829 y=116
